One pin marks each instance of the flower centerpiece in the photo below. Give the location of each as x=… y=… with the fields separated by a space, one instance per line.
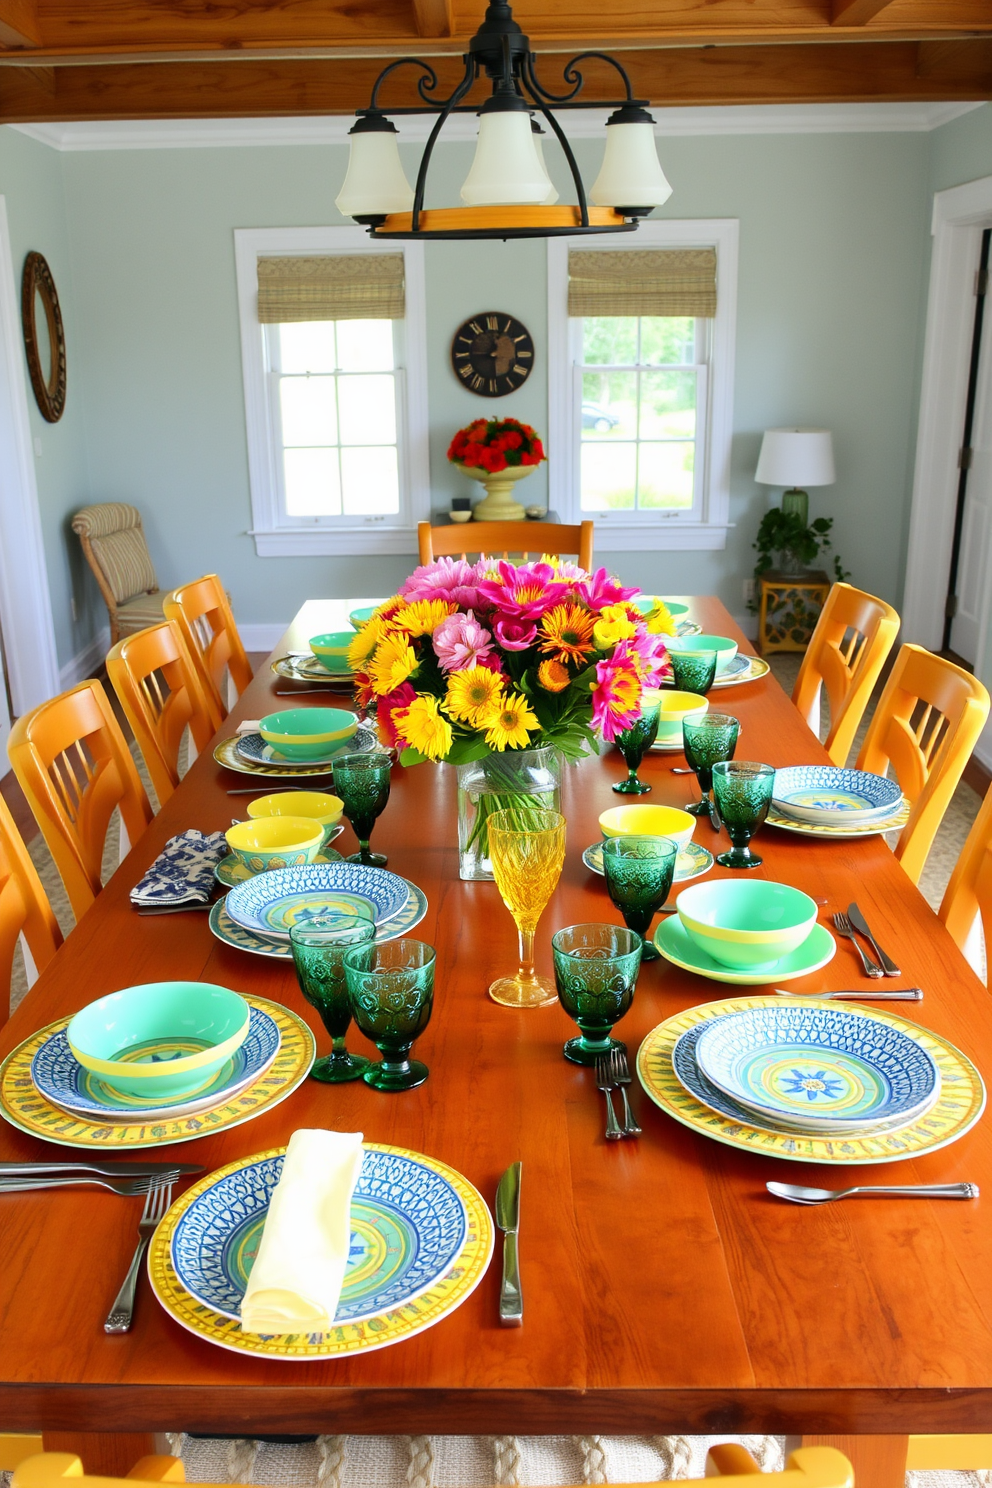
x=483 y=664
x=497 y=452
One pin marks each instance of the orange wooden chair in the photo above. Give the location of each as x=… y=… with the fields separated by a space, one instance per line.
x=500 y=539
x=24 y=907
x=846 y=653
x=202 y=611
x=808 y=1467
x=925 y=726
x=74 y=766
x=968 y=896
x=159 y=688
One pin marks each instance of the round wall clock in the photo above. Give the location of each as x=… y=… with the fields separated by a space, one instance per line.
x=492 y=354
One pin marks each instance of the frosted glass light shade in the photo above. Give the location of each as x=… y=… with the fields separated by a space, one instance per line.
x=552 y=195
x=796 y=457
x=375 y=183
x=631 y=173
x=507 y=168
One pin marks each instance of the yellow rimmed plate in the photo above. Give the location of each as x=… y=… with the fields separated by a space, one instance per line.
x=23 y=1106
x=228 y=755
x=757 y=667
x=306 y=668
x=845 y=832
x=960 y=1104
x=365 y=1337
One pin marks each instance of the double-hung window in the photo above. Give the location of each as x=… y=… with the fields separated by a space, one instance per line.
x=332 y=347
x=641 y=393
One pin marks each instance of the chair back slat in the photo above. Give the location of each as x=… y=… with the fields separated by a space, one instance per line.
x=24 y=908
x=159 y=689
x=852 y=640
x=203 y=613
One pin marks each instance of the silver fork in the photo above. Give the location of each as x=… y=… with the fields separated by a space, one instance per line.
x=844 y=927
x=797 y=1194
x=620 y=1070
x=120 y=1315
x=128 y=1188
x=606 y=1083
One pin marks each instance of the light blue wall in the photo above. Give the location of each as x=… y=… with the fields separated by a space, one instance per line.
x=962 y=150
x=31 y=184
x=832 y=241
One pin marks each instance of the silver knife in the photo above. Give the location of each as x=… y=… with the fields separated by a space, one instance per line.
x=511 y=1301
x=904 y=994
x=106 y=1170
x=860 y=924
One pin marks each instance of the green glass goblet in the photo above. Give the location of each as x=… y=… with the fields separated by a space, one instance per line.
x=391 y=991
x=743 y=791
x=639 y=873
x=595 y=970
x=694 y=670
x=362 y=782
x=633 y=744
x=707 y=741
x=319 y=948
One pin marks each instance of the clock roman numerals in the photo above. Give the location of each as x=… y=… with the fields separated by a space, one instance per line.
x=492 y=354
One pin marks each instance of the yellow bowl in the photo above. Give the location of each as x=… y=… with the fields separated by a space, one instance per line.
x=275 y=842
x=322 y=807
x=648 y=821
x=675 y=706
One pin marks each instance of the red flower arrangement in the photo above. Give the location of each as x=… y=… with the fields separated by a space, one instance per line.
x=495 y=444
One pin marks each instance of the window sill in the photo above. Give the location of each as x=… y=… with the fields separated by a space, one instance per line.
x=659 y=537
x=327 y=542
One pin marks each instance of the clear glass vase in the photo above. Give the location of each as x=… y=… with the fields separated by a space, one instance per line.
x=523 y=780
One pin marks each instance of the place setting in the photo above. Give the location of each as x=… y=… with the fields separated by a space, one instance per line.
x=295 y=742
x=326 y=662
x=828 y=802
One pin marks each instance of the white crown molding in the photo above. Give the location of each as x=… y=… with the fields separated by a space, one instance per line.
x=191 y=134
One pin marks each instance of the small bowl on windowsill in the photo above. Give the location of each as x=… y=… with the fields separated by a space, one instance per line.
x=460 y=516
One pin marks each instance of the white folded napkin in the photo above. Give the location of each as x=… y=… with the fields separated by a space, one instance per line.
x=296 y=1280
x=249 y=725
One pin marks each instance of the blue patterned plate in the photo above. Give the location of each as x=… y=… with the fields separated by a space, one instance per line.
x=817 y=1064
x=825 y=793
x=253 y=748
x=672 y=940
x=407 y=1226
x=60 y=1078
x=692 y=1079
x=692 y=862
x=232 y=934
x=270 y=903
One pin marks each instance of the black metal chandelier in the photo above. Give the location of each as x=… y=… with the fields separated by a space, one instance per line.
x=508 y=192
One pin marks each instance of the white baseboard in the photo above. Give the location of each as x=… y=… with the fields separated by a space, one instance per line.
x=262 y=637
x=86 y=661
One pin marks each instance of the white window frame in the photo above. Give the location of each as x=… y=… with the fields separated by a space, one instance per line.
x=276 y=535
x=705 y=527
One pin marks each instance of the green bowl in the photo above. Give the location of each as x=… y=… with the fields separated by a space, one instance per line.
x=331 y=650
x=725 y=648
x=646 y=603
x=746 y=925
x=308 y=733
x=359 y=618
x=160 y=1039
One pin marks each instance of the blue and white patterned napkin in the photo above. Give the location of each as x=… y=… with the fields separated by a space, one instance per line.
x=183 y=872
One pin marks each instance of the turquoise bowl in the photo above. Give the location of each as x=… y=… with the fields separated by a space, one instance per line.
x=749 y=925
x=725 y=648
x=362 y=617
x=331 y=650
x=646 y=603
x=308 y=733
x=160 y=1039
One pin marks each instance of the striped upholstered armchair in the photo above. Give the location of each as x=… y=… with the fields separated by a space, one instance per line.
x=115 y=548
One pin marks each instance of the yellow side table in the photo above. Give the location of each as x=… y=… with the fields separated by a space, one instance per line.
x=790 y=607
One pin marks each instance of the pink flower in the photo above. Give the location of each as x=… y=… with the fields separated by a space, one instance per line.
x=514 y=633
x=616 y=695
x=402 y=697
x=525 y=592
x=651 y=653
x=446 y=578
x=460 y=641
x=603 y=589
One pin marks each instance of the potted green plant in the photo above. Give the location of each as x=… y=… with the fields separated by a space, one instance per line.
x=797 y=543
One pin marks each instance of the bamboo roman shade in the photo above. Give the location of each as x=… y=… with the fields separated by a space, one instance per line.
x=352 y=286
x=663 y=281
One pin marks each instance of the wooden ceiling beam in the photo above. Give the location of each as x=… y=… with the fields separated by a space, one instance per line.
x=19 y=24
x=881 y=72
x=433 y=17
x=856 y=12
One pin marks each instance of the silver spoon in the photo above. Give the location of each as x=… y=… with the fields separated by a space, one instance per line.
x=905 y=994
x=797 y=1194
x=678 y=770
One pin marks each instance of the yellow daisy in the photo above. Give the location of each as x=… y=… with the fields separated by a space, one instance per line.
x=423 y=728
x=365 y=643
x=472 y=694
x=394 y=661
x=566 y=632
x=660 y=621
x=423 y=616
x=614 y=624
x=552 y=676
x=511 y=723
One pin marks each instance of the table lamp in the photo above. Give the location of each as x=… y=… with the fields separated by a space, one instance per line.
x=796 y=458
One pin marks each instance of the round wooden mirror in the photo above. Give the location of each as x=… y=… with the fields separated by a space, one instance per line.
x=44 y=338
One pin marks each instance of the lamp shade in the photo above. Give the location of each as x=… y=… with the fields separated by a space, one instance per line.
x=375 y=183
x=796 y=457
x=507 y=168
x=631 y=173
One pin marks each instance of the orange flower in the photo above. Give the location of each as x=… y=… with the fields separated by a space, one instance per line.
x=552 y=676
x=566 y=632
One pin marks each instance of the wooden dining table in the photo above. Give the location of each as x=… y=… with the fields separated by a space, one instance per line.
x=665 y=1290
